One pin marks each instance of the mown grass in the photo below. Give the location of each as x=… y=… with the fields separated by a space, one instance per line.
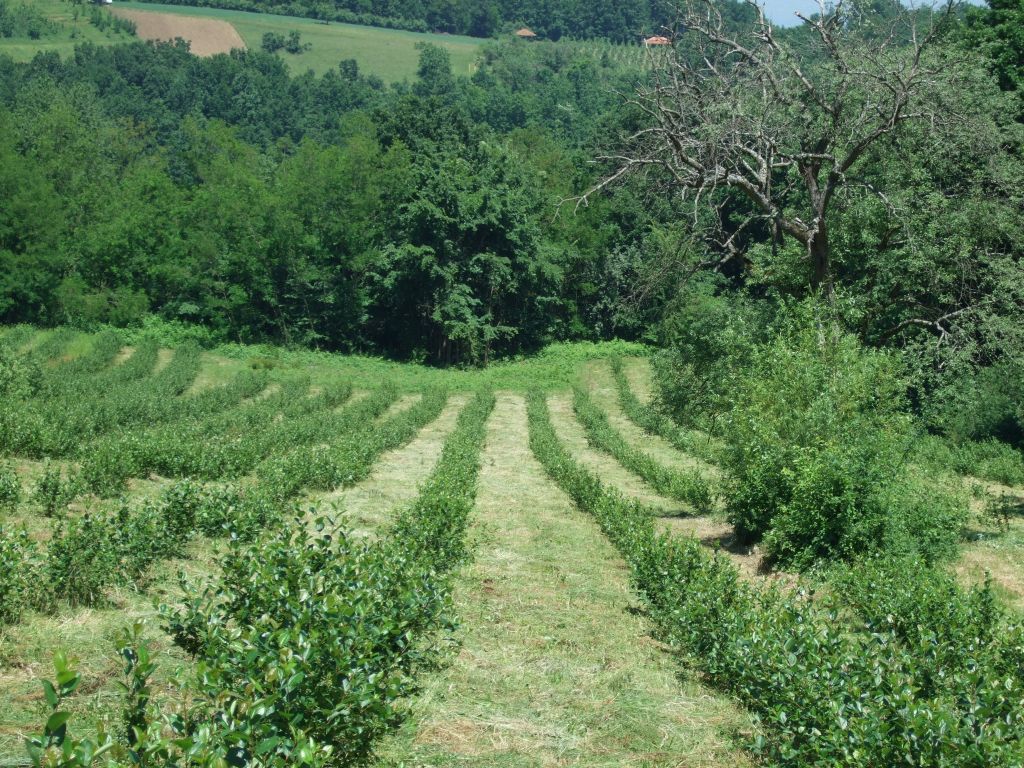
x=556 y=367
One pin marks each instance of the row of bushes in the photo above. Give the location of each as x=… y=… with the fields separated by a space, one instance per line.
x=61 y=419
x=902 y=690
x=309 y=642
x=52 y=492
x=654 y=422
x=689 y=487
x=349 y=458
x=223 y=444
x=90 y=554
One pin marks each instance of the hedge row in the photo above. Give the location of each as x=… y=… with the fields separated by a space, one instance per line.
x=654 y=423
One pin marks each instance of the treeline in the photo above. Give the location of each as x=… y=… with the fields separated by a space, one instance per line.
x=620 y=20
x=418 y=221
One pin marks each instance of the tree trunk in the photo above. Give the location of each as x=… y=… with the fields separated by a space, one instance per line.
x=821 y=262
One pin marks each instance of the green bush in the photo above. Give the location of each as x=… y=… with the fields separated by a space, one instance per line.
x=707 y=336
x=81 y=562
x=10 y=488
x=52 y=492
x=816 y=443
x=20 y=375
x=689 y=487
x=19 y=576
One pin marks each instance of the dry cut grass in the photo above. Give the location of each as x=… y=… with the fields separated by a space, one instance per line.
x=604 y=466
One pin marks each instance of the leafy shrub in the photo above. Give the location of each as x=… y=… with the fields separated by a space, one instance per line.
x=652 y=421
x=825 y=691
x=81 y=561
x=10 y=488
x=689 y=487
x=706 y=338
x=20 y=376
x=815 y=455
x=52 y=492
x=985 y=405
x=18 y=574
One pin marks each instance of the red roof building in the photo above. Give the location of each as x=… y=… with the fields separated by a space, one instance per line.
x=657 y=40
x=526 y=33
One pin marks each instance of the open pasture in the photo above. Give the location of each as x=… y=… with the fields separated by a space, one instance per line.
x=527 y=501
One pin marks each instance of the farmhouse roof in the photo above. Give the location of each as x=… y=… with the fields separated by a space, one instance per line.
x=525 y=32
x=657 y=40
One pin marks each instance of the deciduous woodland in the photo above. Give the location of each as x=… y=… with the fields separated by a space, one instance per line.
x=613 y=404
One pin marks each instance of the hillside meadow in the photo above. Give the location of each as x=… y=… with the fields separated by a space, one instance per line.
x=391 y=55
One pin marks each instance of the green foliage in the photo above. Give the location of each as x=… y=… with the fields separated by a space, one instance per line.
x=19 y=574
x=291 y=43
x=10 y=488
x=52 y=492
x=707 y=335
x=24 y=20
x=54 y=746
x=310 y=640
x=20 y=376
x=654 y=422
x=81 y=562
x=815 y=451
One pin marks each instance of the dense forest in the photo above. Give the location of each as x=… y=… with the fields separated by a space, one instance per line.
x=435 y=220
x=421 y=220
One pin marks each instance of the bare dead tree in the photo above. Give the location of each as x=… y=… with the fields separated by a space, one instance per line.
x=786 y=129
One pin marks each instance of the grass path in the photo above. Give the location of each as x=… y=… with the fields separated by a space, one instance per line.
x=610 y=470
x=397 y=475
x=597 y=377
x=554 y=669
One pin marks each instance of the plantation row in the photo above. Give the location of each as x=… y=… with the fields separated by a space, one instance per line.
x=306 y=644
x=689 y=487
x=895 y=666
x=307 y=640
x=86 y=555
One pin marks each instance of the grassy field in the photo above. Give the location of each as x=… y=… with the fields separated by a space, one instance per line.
x=556 y=662
x=389 y=54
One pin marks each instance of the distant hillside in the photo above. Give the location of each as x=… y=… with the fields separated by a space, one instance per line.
x=390 y=54
x=621 y=20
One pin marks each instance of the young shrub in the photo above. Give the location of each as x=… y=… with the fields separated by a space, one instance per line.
x=311 y=636
x=18 y=574
x=10 y=489
x=81 y=561
x=52 y=492
x=180 y=505
x=20 y=376
x=816 y=445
